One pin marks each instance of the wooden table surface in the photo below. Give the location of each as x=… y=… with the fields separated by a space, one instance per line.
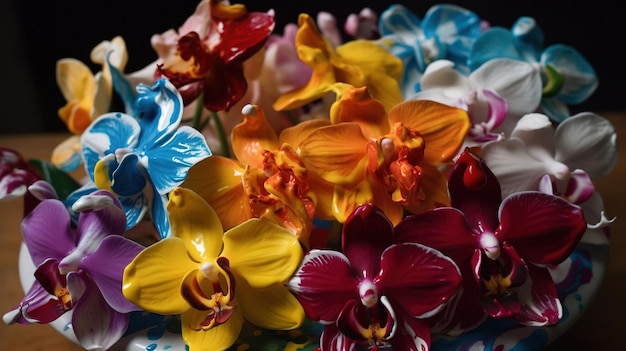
x=601 y=327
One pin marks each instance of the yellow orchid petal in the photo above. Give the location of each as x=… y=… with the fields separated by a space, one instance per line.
x=319 y=84
x=433 y=191
x=315 y=51
x=393 y=210
x=76 y=81
x=153 y=279
x=262 y=253
x=385 y=89
x=218 y=180
x=357 y=105
x=76 y=116
x=371 y=57
x=114 y=49
x=294 y=135
x=217 y=338
x=346 y=199
x=252 y=136
x=336 y=153
x=101 y=174
x=68 y=154
x=196 y=223
x=443 y=127
x=274 y=308
x=223 y=10
x=384 y=70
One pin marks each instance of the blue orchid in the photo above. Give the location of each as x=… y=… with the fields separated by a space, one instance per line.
x=568 y=78
x=146 y=151
x=446 y=32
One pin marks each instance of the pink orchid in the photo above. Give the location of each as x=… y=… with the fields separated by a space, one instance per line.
x=375 y=293
x=503 y=247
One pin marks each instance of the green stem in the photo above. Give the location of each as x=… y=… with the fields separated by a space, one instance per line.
x=221 y=134
x=196 y=122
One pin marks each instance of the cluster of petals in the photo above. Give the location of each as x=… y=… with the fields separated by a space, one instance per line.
x=205 y=56
x=567 y=77
x=502 y=247
x=265 y=180
x=377 y=291
x=214 y=279
x=565 y=158
x=365 y=155
x=78 y=268
x=358 y=62
x=128 y=155
x=446 y=32
x=88 y=96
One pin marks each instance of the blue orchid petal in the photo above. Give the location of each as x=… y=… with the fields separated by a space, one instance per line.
x=159 y=215
x=555 y=109
x=128 y=178
x=106 y=134
x=123 y=88
x=455 y=27
x=135 y=208
x=398 y=18
x=159 y=110
x=494 y=43
x=529 y=38
x=580 y=80
x=168 y=164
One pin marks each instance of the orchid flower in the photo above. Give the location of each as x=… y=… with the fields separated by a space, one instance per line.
x=495 y=96
x=205 y=56
x=16 y=174
x=358 y=63
x=375 y=293
x=213 y=279
x=266 y=180
x=78 y=269
x=129 y=154
x=502 y=247
x=568 y=78
x=88 y=96
x=581 y=148
x=368 y=156
x=446 y=32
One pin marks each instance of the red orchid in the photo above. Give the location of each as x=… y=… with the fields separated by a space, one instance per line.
x=374 y=293
x=503 y=247
x=210 y=50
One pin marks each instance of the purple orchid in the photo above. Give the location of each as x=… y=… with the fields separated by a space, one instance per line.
x=375 y=293
x=503 y=247
x=78 y=269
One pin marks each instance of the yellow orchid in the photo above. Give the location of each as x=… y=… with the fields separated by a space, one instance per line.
x=389 y=159
x=216 y=279
x=358 y=63
x=88 y=96
x=267 y=179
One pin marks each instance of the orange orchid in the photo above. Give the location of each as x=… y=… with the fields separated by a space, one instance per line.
x=389 y=159
x=358 y=63
x=267 y=179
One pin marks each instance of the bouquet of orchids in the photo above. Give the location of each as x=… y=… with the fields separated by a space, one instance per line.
x=408 y=188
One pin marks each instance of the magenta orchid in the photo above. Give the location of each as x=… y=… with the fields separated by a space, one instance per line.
x=375 y=293
x=502 y=246
x=78 y=269
x=16 y=174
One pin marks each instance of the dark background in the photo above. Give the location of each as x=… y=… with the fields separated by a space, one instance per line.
x=37 y=33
